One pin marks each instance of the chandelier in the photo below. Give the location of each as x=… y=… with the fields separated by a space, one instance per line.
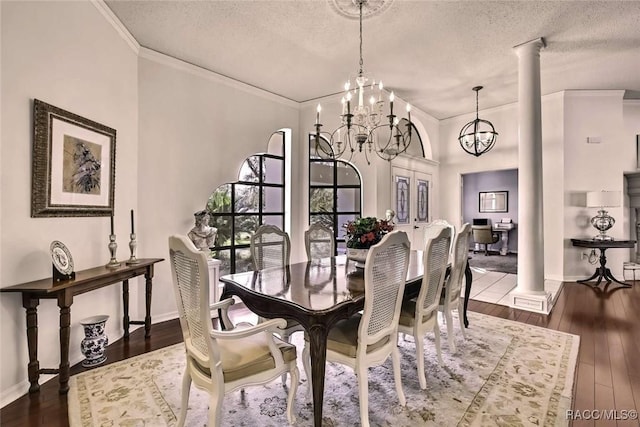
x=362 y=128
x=478 y=136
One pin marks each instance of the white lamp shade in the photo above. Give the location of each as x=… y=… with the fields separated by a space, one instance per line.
x=598 y=199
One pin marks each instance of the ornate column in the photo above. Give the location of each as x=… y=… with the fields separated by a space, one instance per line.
x=529 y=293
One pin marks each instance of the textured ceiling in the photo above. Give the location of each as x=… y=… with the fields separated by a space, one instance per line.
x=431 y=53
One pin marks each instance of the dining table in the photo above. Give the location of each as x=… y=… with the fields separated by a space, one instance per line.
x=317 y=294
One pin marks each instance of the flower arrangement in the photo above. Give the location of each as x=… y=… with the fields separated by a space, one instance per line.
x=363 y=233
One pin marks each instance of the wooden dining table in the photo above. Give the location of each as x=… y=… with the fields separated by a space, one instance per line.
x=316 y=294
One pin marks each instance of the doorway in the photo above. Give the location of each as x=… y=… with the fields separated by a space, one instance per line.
x=412 y=201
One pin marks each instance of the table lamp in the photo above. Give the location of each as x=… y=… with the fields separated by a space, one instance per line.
x=602 y=221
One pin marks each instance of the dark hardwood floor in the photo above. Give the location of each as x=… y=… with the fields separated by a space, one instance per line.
x=608 y=372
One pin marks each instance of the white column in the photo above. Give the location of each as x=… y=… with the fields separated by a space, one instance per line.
x=529 y=293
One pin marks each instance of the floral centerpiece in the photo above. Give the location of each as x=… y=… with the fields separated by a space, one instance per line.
x=363 y=233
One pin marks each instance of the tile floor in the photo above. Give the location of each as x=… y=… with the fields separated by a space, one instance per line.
x=494 y=287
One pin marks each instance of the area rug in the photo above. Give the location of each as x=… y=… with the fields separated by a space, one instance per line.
x=505 y=374
x=494 y=262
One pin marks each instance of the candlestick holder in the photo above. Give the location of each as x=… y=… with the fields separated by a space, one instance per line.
x=132 y=248
x=113 y=246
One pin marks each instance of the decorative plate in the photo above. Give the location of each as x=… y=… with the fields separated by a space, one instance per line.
x=61 y=257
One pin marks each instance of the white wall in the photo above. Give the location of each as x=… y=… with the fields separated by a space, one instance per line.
x=571 y=167
x=594 y=167
x=68 y=55
x=196 y=129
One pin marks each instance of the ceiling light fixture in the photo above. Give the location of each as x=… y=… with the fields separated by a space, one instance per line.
x=362 y=129
x=478 y=136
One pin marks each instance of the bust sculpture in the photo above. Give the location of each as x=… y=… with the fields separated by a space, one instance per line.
x=203 y=235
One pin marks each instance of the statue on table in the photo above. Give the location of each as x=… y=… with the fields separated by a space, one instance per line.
x=390 y=214
x=203 y=235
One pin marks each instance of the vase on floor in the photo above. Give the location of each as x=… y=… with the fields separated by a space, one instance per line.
x=95 y=340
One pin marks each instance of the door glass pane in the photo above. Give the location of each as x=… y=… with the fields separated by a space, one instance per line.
x=321 y=200
x=225 y=257
x=321 y=173
x=223 y=224
x=272 y=170
x=402 y=199
x=347 y=175
x=272 y=199
x=243 y=260
x=422 y=207
x=246 y=225
x=276 y=220
x=250 y=170
x=348 y=200
x=246 y=198
x=220 y=199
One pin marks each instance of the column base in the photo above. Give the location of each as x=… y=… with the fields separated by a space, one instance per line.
x=537 y=302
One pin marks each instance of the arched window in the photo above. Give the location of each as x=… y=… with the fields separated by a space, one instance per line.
x=238 y=208
x=335 y=195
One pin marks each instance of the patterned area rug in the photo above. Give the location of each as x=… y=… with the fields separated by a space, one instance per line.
x=505 y=374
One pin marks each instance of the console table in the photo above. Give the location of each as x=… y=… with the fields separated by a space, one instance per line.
x=603 y=272
x=63 y=292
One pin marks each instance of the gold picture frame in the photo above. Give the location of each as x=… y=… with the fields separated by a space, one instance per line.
x=73 y=165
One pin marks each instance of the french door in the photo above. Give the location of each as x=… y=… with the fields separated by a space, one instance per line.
x=411 y=197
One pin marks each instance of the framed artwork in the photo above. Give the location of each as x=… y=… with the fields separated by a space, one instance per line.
x=73 y=165
x=494 y=201
x=402 y=199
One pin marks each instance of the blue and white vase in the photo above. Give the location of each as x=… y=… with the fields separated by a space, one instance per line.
x=95 y=340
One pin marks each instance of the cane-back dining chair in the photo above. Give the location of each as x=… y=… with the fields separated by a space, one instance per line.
x=319 y=242
x=222 y=361
x=420 y=315
x=271 y=248
x=453 y=287
x=369 y=338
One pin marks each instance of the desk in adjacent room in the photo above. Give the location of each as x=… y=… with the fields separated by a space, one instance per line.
x=64 y=291
x=603 y=272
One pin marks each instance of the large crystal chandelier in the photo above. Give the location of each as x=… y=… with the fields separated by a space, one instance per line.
x=362 y=128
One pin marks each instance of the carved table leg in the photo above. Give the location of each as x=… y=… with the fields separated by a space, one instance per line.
x=65 y=299
x=31 y=306
x=147 y=318
x=318 y=350
x=125 y=306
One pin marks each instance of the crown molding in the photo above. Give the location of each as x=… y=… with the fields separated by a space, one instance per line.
x=579 y=93
x=116 y=24
x=178 y=64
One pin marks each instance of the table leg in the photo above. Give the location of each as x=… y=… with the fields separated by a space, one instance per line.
x=467 y=291
x=125 y=307
x=147 y=318
x=31 y=306
x=318 y=349
x=65 y=299
x=609 y=276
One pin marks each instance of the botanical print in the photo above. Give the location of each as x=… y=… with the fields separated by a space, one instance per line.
x=81 y=166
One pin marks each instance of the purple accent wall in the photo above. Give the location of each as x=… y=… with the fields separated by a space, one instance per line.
x=502 y=180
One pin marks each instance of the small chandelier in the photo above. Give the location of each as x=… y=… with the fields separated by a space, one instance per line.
x=362 y=129
x=478 y=136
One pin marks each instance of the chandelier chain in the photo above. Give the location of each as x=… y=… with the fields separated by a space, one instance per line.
x=361 y=2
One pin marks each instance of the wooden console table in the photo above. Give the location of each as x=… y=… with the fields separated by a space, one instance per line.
x=64 y=291
x=603 y=272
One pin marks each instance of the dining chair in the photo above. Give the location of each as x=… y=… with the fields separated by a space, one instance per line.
x=453 y=288
x=420 y=315
x=221 y=362
x=369 y=338
x=433 y=228
x=270 y=247
x=319 y=242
